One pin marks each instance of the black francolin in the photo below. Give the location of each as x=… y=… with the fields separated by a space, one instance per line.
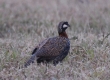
x=52 y=49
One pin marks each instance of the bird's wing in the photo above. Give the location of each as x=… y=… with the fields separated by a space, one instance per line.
x=51 y=47
x=34 y=50
x=62 y=55
x=39 y=46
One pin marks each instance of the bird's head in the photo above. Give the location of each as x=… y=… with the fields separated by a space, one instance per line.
x=63 y=26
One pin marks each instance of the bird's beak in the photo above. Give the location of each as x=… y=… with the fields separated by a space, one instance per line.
x=69 y=25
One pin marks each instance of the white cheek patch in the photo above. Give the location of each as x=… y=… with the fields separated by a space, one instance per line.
x=65 y=26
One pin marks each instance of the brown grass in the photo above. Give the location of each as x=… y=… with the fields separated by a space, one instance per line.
x=24 y=23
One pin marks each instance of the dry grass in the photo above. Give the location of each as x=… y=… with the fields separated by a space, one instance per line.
x=24 y=23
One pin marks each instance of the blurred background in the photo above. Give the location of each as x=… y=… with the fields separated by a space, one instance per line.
x=24 y=23
x=20 y=17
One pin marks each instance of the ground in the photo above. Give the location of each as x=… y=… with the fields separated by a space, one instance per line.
x=24 y=23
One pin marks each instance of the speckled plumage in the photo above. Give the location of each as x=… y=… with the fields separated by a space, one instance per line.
x=52 y=49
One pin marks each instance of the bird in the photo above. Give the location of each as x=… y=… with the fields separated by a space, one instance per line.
x=53 y=49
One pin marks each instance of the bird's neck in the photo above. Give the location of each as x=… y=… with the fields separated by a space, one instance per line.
x=63 y=34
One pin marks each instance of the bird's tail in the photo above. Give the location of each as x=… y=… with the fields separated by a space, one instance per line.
x=31 y=60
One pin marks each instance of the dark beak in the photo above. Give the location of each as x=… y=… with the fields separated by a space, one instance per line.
x=69 y=25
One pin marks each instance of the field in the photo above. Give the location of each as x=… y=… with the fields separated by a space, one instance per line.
x=25 y=23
